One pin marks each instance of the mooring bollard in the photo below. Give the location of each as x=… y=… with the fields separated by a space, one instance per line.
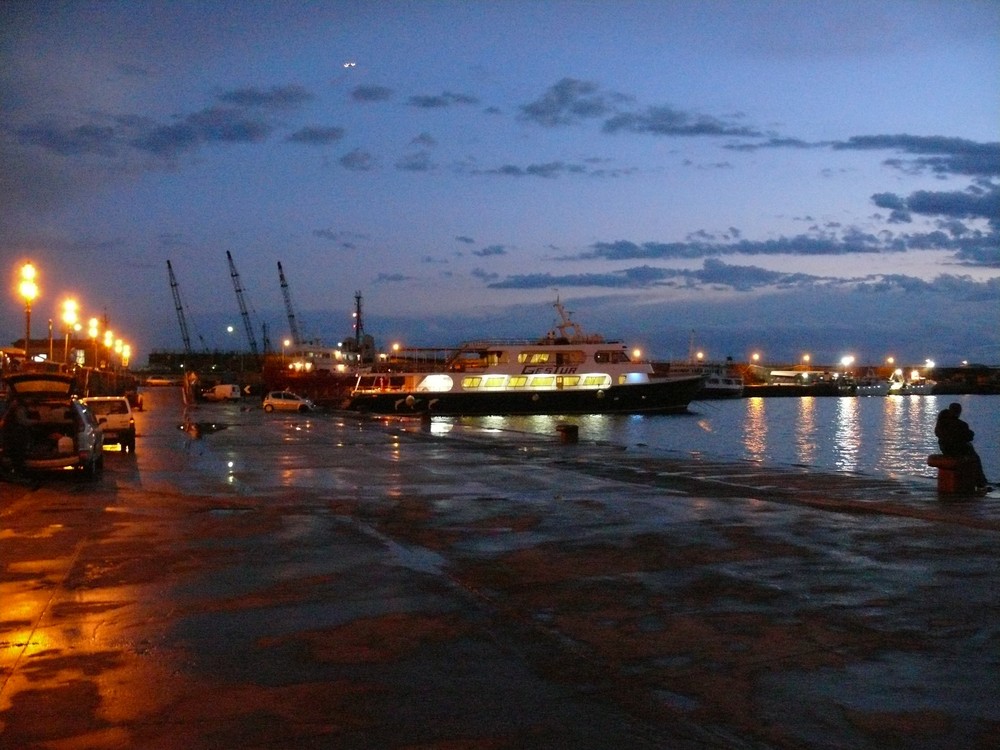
x=568 y=433
x=955 y=475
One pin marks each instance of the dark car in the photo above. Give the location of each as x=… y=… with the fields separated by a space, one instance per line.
x=44 y=427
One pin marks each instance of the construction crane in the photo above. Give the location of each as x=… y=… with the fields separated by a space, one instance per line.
x=292 y=325
x=243 y=307
x=180 y=309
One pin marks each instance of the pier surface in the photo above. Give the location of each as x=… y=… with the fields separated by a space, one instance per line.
x=261 y=580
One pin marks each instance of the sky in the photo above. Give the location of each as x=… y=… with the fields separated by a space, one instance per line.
x=762 y=176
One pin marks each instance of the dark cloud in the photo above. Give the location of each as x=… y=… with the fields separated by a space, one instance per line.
x=979 y=201
x=70 y=141
x=484 y=275
x=316 y=135
x=937 y=153
x=391 y=278
x=371 y=94
x=358 y=161
x=419 y=161
x=672 y=122
x=466 y=240
x=773 y=143
x=490 y=250
x=215 y=124
x=278 y=97
x=424 y=139
x=445 y=99
x=569 y=101
x=549 y=170
x=346 y=240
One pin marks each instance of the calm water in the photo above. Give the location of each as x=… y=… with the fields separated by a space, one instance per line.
x=888 y=436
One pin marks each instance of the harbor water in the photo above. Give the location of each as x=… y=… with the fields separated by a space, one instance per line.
x=880 y=436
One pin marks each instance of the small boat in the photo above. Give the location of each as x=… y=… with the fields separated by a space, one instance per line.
x=915 y=385
x=870 y=384
x=566 y=372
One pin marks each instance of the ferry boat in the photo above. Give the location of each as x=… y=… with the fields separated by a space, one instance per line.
x=566 y=372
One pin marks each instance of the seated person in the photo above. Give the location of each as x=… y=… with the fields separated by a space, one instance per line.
x=955 y=439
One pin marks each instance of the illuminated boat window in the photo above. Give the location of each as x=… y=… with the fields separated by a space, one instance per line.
x=541 y=381
x=518 y=381
x=596 y=380
x=471 y=382
x=534 y=358
x=496 y=381
x=570 y=381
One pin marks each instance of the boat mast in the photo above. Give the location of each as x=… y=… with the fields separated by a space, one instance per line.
x=359 y=326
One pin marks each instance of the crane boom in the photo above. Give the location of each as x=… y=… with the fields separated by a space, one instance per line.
x=175 y=290
x=292 y=325
x=251 y=340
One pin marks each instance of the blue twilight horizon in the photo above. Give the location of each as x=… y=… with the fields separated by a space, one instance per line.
x=774 y=176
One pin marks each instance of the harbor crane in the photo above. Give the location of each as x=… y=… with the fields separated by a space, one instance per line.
x=251 y=339
x=180 y=309
x=293 y=326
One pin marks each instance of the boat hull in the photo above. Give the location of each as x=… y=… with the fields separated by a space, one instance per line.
x=657 y=397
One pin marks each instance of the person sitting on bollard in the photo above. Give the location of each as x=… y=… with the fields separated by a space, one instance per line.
x=955 y=439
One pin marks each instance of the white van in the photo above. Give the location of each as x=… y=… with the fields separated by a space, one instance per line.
x=222 y=393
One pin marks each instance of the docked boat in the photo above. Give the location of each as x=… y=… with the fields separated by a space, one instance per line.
x=915 y=385
x=566 y=372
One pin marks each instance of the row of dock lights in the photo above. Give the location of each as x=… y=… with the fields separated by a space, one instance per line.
x=70 y=316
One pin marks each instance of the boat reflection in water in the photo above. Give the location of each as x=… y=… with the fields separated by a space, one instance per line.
x=876 y=436
x=566 y=372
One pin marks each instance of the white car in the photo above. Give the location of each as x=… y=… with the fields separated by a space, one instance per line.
x=114 y=414
x=287 y=401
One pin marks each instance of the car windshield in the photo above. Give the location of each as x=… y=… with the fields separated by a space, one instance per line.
x=108 y=407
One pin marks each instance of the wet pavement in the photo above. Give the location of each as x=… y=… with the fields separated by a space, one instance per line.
x=252 y=580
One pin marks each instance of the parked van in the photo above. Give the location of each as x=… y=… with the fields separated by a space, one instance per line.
x=222 y=393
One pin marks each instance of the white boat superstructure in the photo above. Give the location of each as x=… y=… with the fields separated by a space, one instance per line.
x=567 y=371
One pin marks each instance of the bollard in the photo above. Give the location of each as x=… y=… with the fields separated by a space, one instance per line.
x=955 y=475
x=568 y=433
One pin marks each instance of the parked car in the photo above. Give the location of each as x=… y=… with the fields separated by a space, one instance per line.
x=222 y=393
x=45 y=427
x=114 y=414
x=287 y=401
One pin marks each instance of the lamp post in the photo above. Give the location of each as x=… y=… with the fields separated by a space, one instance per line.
x=109 y=342
x=29 y=290
x=92 y=333
x=69 y=317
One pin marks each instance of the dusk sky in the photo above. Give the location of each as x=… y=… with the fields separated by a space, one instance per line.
x=782 y=177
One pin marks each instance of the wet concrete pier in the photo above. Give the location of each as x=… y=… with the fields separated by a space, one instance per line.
x=260 y=580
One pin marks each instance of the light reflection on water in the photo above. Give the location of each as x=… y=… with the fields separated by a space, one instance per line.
x=890 y=435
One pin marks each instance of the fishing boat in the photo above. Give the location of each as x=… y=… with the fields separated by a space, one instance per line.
x=914 y=385
x=566 y=372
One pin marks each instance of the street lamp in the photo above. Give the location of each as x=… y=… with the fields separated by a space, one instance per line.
x=284 y=345
x=92 y=333
x=29 y=290
x=69 y=317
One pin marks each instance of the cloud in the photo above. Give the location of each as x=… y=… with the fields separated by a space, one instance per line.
x=278 y=97
x=391 y=278
x=70 y=141
x=669 y=121
x=979 y=201
x=358 y=161
x=549 y=170
x=418 y=161
x=490 y=250
x=316 y=135
x=215 y=124
x=346 y=240
x=371 y=94
x=939 y=154
x=569 y=101
x=445 y=99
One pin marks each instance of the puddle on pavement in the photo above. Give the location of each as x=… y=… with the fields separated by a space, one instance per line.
x=196 y=430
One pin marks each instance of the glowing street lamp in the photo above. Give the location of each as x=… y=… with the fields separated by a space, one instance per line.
x=284 y=345
x=126 y=355
x=69 y=317
x=92 y=334
x=29 y=291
